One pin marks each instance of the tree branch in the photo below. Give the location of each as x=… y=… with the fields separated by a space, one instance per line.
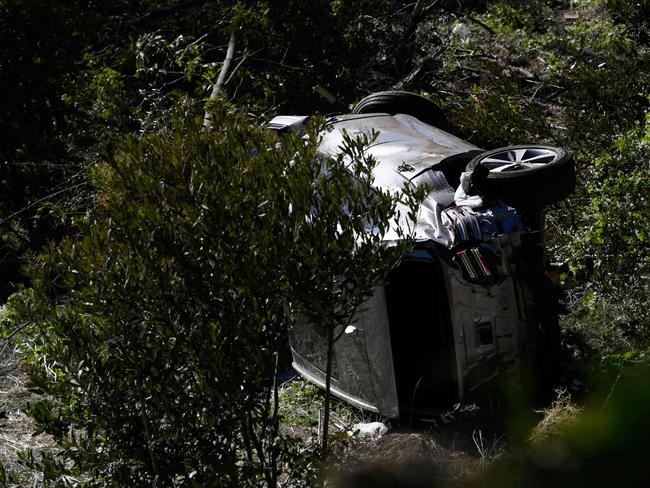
x=417 y=10
x=222 y=77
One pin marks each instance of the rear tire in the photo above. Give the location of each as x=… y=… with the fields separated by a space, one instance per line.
x=402 y=102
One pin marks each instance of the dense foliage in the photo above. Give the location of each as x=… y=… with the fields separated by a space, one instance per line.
x=159 y=330
x=616 y=234
x=174 y=301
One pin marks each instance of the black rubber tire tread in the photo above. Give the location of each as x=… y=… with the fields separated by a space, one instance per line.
x=533 y=188
x=403 y=102
x=452 y=166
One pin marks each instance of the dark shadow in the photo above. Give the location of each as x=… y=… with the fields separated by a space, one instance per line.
x=421 y=335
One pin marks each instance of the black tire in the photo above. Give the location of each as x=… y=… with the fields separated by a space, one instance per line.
x=528 y=177
x=402 y=102
x=452 y=166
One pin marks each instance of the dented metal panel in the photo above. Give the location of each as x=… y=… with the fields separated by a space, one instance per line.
x=362 y=371
x=403 y=146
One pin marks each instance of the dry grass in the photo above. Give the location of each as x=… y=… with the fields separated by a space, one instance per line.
x=400 y=452
x=561 y=414
x=16 y=426
x=449 y=458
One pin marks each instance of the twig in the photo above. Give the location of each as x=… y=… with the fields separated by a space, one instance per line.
x=194 y=43
x=328 y=390
x=51 y=195
x=494 y=451
x=482 y=24
x=472 y=54
x=13 y=333
x=232 y=73
x=541 y=85
x=275 y=422
x=234 y=93
x=611 y=391
x=174 y=81
x=286 y=51
x=147 y=432
x=17 y=329
x=417 y=10
x=415 y=390
x=278 y=63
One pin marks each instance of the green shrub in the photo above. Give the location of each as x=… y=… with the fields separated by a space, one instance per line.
x=615 y=230
x=157 y=331
x=635 y=14
x=592 y=63
x=605 y=445
x=505 y=17
x=496 y=119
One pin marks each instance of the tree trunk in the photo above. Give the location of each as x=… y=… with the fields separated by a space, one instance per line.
x=222 y=77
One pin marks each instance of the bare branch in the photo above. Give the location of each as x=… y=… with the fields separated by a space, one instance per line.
x=47 y=197
x=222 y=76
x=270 y=61
x=417 y=10
x=325 y=93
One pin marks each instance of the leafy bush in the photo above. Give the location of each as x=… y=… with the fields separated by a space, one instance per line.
x=158 y=330
x=499 y=120
x=592 y=63
x=633 y=13
x=606 y=442
x=506 y=17
x=615 y=230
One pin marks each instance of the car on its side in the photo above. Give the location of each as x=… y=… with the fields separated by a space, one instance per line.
x=472 y=302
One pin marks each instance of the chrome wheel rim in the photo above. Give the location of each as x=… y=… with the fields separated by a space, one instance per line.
x=510 y=160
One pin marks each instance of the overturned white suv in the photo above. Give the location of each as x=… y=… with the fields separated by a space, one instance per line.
x=472 y=301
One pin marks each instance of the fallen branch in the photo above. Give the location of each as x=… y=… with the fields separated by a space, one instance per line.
x=481 y=24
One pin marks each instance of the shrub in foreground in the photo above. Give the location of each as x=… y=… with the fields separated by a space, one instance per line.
x=158 y=331
x=615 y=230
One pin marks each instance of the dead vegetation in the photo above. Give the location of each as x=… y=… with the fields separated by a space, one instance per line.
x=454 y=450
x=421 y=452
x=560 y=415
x=16 y=426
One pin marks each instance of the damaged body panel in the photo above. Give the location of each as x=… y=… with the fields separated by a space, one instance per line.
x=469 y=303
